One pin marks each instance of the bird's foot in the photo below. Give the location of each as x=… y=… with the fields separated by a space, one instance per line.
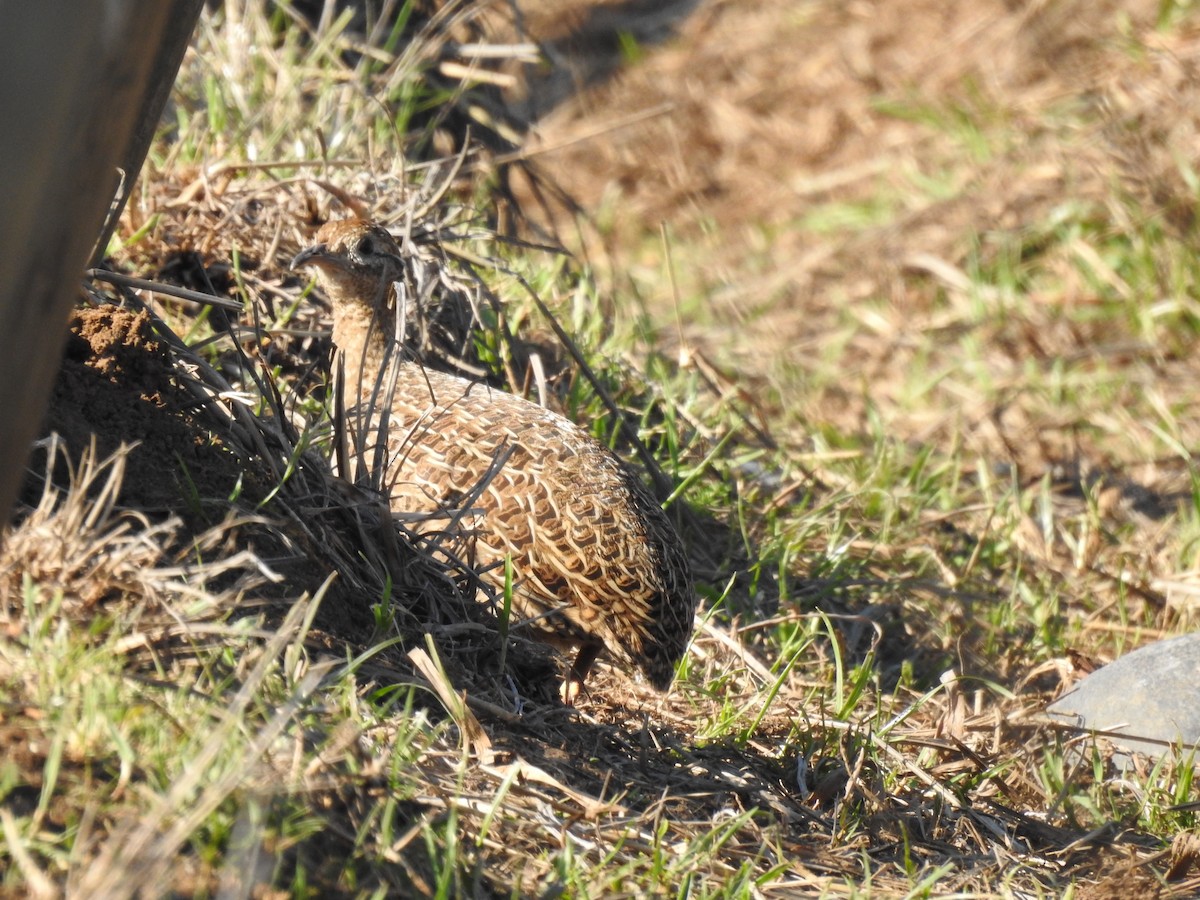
x=572 y=685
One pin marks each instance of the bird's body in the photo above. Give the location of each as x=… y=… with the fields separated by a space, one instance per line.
x=596 y=563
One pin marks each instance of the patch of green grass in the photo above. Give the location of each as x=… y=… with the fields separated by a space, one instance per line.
x=841 y=217
x=974 y=118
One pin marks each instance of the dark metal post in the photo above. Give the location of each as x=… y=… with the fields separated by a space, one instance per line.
x=81 y=87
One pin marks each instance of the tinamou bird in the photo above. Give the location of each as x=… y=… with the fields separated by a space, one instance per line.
x=595 y=562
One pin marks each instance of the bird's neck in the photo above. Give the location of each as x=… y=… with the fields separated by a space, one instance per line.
x=362 y=334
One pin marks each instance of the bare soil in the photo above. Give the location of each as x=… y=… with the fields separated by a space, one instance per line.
x=118 y=386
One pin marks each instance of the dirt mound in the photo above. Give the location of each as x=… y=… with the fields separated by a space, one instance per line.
x=118 y=386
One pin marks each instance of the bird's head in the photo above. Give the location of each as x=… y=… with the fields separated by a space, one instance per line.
x=356 y=262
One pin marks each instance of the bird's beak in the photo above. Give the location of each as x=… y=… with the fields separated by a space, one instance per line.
x=316 y=255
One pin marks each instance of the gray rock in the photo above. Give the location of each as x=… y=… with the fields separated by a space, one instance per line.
x=1143 y=702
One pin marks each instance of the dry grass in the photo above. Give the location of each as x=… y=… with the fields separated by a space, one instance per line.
x=928 y=407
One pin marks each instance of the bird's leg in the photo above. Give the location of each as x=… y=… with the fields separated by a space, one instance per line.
x=572 y=685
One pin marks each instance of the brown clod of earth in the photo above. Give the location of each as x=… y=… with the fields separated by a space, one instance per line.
x=117 y=385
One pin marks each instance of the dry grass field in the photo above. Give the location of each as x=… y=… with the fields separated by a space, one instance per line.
x=899 y=302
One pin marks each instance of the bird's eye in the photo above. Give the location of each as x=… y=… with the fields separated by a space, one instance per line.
x=365 y=247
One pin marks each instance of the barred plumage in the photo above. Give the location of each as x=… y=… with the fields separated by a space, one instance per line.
x=596 y=562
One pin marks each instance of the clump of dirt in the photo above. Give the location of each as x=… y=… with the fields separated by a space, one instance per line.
x=118 y=385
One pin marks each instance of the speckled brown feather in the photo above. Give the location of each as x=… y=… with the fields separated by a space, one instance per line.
x=596 y=562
